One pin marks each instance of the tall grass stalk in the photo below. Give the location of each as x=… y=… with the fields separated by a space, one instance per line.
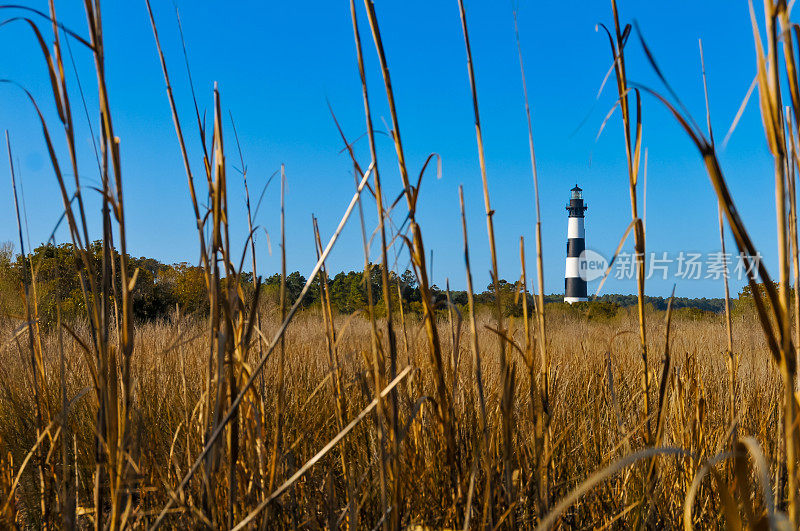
x=276 y=450
x=633 y=144
x=337 y=384
x=391 y=340
x=35 y=355
x=507 y=371
x=772 y=113
x=377 y=363
x=728 y=325
x=542 y=401
x=484 y=445
x=416 y=249
x=793 y=236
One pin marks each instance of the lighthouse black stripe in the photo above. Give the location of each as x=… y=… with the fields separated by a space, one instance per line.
x=575 y=246
x=575 y=287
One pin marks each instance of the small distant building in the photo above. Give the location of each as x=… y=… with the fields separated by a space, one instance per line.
x=574 y=284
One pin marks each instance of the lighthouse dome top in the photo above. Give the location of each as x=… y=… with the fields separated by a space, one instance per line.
x=576 y=193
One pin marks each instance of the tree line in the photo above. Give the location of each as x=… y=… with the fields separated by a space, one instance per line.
x=160 y=288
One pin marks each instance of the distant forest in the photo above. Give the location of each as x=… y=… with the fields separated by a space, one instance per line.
x=658 y=303
x=160 y=288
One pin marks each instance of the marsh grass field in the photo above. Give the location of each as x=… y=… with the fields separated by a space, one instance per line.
x=256 y=411
x=598 y=420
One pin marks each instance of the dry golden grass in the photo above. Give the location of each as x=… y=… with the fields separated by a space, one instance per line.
x=587 y=432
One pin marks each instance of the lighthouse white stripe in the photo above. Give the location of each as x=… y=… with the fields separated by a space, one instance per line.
x=575 y=228
x=573 y=267
x=570 y=300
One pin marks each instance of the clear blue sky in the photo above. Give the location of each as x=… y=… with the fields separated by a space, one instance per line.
x=277 y=63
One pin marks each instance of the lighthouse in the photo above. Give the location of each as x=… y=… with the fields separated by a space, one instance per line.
x=574 y=284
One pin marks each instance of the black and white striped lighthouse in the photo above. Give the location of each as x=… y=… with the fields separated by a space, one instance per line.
x=574 y=284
